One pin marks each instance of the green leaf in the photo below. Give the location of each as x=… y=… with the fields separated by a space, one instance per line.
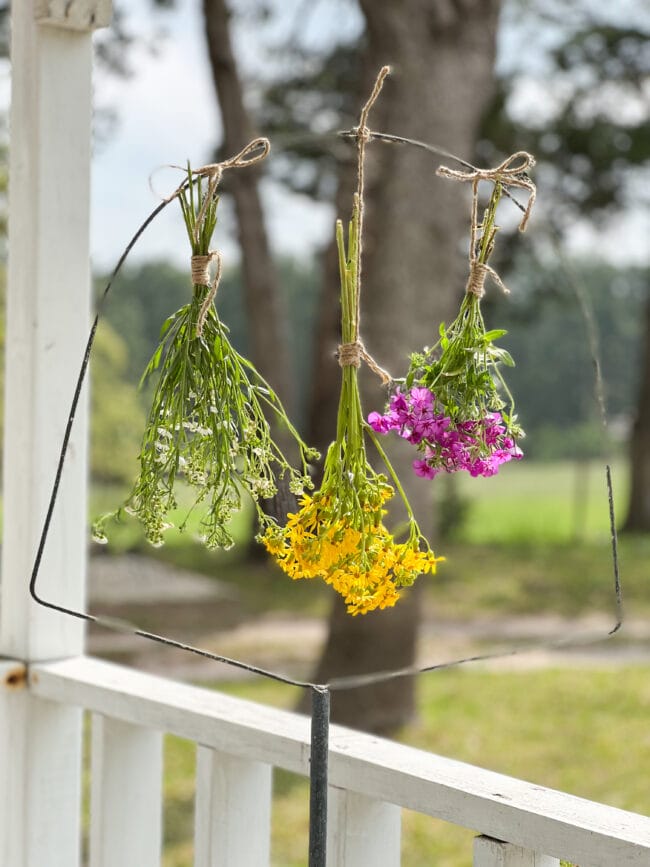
x=167 y=324
x=489 y=336
x=506 y=358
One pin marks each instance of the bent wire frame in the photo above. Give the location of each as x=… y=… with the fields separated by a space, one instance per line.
x=321 y=691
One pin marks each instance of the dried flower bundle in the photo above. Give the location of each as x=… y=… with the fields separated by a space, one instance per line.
x=208 y=424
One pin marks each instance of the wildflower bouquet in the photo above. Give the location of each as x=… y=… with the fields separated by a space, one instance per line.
x=338 y=533
x=454 y=405
x=208 y=420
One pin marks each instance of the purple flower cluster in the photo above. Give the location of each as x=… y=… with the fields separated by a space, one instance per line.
x=480 y=447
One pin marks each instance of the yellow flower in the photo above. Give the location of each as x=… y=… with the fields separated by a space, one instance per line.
x=362 y=563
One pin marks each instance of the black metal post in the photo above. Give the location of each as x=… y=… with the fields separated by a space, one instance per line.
x=320 y=723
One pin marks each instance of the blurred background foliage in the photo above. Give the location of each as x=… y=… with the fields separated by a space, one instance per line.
x=546 y=335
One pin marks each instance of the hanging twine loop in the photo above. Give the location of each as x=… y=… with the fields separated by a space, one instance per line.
x=351 y=354
x=512 y=172
x=254 y=152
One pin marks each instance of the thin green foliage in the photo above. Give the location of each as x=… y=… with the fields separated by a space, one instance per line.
x=209 y=418
x=462 y=368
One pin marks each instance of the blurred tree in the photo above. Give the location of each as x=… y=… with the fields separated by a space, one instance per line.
x=266 y=314
x=546 y=335
x=412 y=274
x=638 y=514
x=592 y=139
x=141 y=299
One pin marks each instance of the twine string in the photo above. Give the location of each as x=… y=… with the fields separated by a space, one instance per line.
x=511 y=172
x=213 y=256
x=254 y=152
x=251 y=154
x=353 y=353
x=349 y=354
x=363 y=137
x=201 y=269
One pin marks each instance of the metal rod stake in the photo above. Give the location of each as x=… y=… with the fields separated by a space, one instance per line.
x=320 y=723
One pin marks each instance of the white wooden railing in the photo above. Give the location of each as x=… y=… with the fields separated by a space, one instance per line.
x=240 y=742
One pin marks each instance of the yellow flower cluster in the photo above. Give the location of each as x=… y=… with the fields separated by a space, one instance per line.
x=363 y=563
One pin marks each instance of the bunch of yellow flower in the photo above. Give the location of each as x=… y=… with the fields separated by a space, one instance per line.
x=338 y=534
x=365 y=565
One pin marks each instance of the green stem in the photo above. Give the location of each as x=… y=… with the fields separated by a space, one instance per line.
x=488 y=226
x=391 y=471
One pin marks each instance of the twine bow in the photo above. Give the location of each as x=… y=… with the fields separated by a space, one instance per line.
x=512 y=172
x=254 y=152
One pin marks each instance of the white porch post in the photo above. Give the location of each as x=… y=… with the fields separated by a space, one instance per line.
x=47 y=323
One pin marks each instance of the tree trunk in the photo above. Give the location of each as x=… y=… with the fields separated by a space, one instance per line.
x=638 y=515
x=416 y=229
x=266 y=315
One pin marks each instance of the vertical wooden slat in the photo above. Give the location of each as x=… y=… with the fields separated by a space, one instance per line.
x=233 y=811
x=40 y=776
x=362 y=831
x=495 y=853
x=126 y=795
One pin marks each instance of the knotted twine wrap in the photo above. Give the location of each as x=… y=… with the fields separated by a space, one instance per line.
x=204 y=268
x=351 y=354
x=254 y=152
x=510 y=173
x=201 y=270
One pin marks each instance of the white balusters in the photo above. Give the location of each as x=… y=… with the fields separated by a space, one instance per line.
x=126 y=795
x=233 y=811
x=362 y=831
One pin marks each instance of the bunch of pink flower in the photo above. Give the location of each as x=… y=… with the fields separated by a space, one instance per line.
x=479 y=446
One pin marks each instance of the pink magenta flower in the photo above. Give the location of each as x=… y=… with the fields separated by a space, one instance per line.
x=421 y=398
x=424 y=469
x=379 y=423
x=478 y=446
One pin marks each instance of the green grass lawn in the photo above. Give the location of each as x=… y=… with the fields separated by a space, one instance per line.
x=530 y=545
x=534 y=502
x=581 y=731
x=536 y=539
